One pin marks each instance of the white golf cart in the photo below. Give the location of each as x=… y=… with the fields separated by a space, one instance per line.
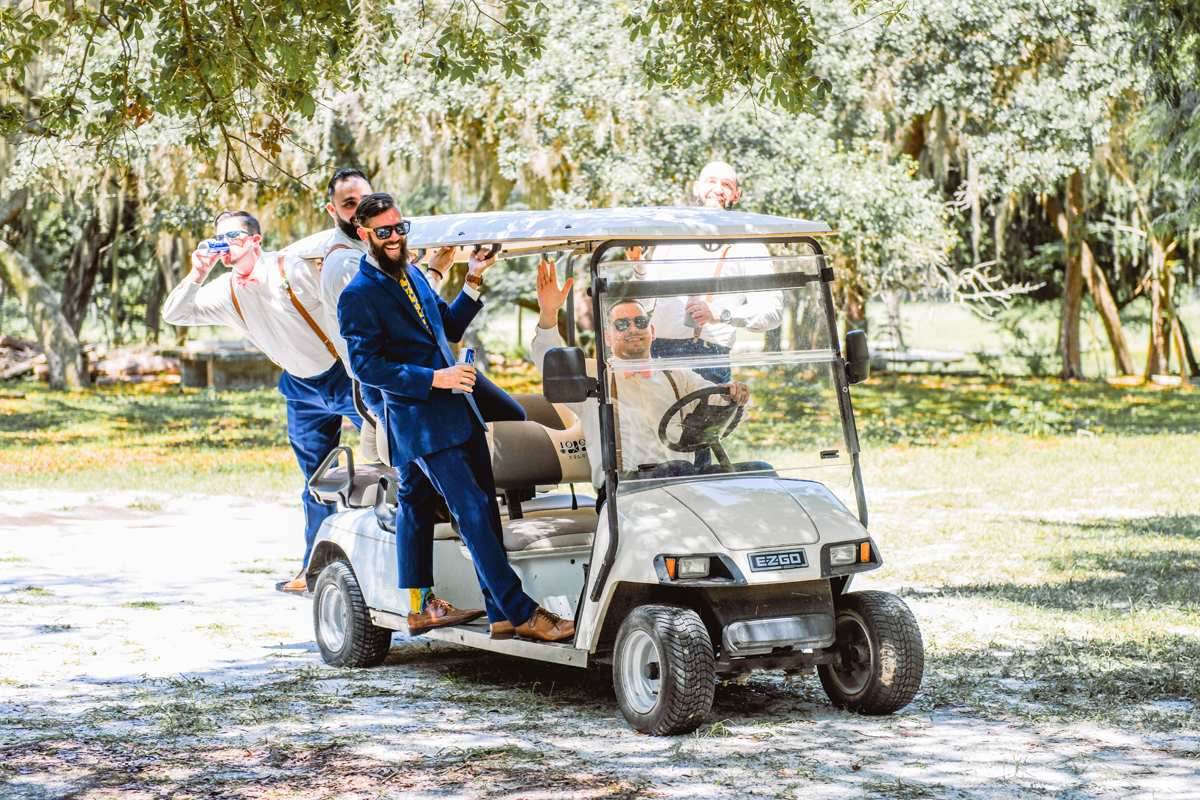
x=686 y=575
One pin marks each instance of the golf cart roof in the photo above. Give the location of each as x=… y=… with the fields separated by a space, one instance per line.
x=547 y=230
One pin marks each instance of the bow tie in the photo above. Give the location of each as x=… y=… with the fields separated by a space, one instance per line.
x=645 y=373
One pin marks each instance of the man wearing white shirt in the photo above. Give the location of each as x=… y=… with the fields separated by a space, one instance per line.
x=641 y=397
x=708 y=325
x=275 y=300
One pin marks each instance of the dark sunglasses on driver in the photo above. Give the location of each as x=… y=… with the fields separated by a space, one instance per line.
x=385 y=233
x=622 y=323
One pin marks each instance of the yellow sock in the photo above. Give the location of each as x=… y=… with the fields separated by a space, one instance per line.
x=417 y=598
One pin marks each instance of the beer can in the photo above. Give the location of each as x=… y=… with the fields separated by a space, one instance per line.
x=210 y=248
x=466 y=356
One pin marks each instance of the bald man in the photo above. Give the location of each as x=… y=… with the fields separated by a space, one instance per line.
x=708 y=325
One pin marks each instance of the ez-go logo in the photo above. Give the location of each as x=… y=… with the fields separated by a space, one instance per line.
x=787 y=559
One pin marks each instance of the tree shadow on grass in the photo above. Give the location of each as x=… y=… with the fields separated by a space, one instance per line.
x=192 y=420
x=1113 y=565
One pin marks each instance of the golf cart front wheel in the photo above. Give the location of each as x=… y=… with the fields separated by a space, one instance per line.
x=345 y=634
x=663 y=670
x=882 y=657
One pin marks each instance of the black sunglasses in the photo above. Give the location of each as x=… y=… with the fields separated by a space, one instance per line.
x=385 y=232
x=622 y=323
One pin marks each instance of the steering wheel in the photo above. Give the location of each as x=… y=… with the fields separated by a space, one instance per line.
x=705 y=426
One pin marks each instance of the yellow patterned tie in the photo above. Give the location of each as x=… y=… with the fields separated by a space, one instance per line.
x=412 y=296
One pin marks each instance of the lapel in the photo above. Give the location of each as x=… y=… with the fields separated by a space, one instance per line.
x=393 y=287
x=429 y=300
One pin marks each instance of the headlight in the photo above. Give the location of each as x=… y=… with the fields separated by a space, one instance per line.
x=687 y=567
x=842 y=554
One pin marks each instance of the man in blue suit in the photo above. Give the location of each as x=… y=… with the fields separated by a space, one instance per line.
x=397 y=332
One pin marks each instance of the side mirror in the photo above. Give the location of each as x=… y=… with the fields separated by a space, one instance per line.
x=564 y=376
x=858 y=360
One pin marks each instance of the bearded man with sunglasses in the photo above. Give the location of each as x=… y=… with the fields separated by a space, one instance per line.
x=398 y=333
x=641 y=396
x=275 y=300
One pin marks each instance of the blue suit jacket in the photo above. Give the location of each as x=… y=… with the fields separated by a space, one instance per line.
x=391 y=351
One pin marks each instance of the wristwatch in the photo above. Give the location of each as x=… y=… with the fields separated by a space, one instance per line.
x=474 y=280
x=726 y=317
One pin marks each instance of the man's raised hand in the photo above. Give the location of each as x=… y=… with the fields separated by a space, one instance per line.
x=550 y=297
x=479 y=261
x=443 y=259
x=202 y=264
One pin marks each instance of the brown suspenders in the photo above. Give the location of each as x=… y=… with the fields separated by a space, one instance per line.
x=617 y=415
x=321 y=261
x=304 y=313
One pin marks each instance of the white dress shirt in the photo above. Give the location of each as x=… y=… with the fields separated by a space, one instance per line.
x=340 y=267
x=641 y=402
x=758 y=311
x=268 y=317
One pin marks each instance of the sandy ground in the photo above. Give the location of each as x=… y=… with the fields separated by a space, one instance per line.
x=144 y=653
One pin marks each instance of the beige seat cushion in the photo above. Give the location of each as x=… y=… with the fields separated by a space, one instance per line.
x=549 y=532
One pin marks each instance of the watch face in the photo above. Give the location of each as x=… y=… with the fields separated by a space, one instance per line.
x=726 y=316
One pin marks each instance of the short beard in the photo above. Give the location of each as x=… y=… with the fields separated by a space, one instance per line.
x=348 y=228
x=389 y=265
x=726 y=206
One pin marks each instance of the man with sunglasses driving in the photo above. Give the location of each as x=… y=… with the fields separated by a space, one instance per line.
x=275 y=300
x=641 y=397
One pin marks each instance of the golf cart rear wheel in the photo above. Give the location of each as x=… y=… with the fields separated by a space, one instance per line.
x=883 y=658
x=345 y=634
x=663 y=670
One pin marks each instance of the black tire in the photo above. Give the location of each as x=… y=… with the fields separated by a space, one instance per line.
x=883 y=657
x=674 y=639
x=345 y=634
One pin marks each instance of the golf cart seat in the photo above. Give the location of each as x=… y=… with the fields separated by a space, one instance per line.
x=545 y=450
x=352 y=485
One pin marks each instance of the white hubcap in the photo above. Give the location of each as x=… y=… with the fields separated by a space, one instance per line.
x=641 y=671
x=334 y=618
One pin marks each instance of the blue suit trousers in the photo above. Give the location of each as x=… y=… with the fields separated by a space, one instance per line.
x=463 y=475
x=315 y=407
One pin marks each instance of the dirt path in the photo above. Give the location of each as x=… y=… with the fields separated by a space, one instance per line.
x=143 y=654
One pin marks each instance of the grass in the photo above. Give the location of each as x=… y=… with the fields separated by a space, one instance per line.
x=1046 y=535
x=147 y=436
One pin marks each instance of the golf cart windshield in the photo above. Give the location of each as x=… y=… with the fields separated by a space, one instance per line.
x=756 y=394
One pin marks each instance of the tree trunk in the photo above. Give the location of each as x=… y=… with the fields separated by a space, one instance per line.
x=895 y=334
x=1068 y=331
x=1156 y=355
x=85 y=264
x=1097 y=286
x=42 y=305
x=1177 y=340
x=115 y=254
x=976 y=212
x=154 y=300
x=1189 y=353
x=168 y=252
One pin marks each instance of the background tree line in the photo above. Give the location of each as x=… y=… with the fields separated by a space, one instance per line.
x=959 y=145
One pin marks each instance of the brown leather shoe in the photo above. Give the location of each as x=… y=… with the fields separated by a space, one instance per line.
x=546 y=626
x=439 y=614
x=298 y=583
x=503 y=629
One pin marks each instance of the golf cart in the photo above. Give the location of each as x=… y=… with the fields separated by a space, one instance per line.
x=684 y=575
